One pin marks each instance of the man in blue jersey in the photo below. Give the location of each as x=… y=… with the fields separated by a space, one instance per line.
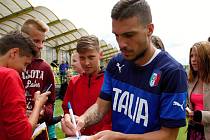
x=145 y=87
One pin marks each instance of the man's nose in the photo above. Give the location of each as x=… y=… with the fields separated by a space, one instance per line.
x=121 y=42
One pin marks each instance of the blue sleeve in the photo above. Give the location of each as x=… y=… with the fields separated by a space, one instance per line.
x=173 y=99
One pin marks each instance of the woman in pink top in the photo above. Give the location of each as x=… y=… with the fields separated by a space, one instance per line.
x=199 y=92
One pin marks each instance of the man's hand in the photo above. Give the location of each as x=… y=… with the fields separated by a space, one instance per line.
x=68 y=127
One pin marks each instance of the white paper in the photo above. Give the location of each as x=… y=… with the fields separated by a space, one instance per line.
x=39 y=129
x=75 y=138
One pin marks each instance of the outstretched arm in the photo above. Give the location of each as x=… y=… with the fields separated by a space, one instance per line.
x=162 y=134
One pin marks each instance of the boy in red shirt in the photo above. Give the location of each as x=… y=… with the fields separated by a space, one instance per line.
x=83 y=90
x=16 y=51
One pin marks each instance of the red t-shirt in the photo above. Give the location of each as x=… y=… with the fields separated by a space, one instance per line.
x=14 y=124
x=37 y=77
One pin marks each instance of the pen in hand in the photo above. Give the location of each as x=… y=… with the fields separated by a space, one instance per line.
x=48 y=88
x=73 y=119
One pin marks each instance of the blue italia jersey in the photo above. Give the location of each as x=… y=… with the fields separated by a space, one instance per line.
x=144 y=98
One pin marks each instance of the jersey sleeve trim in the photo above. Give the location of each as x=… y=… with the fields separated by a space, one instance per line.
x=173 y=123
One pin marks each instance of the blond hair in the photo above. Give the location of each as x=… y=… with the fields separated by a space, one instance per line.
x=38 y=24
x=89 y=42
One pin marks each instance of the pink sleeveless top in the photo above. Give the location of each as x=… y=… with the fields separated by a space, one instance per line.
x=197 y=101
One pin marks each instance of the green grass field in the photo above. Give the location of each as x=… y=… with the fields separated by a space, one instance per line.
x=58 y=111
x=60 y=135
x=182 y=134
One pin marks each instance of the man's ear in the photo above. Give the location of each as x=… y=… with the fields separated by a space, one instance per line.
x=14 y=52
x=150 y=29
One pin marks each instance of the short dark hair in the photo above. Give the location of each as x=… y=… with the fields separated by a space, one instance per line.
x=17 y=39
x=124 y=9
x=89 y=42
